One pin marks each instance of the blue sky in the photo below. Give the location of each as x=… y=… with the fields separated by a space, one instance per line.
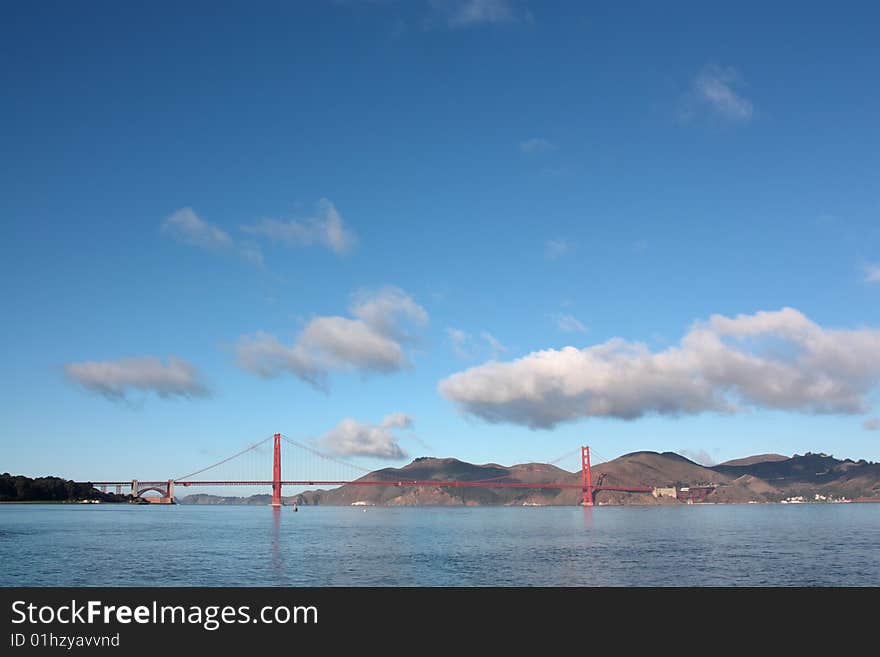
x=389 y=195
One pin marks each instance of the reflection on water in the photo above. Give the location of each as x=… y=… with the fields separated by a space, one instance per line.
x=57 y=545
x=277 y=563
x=587 y=516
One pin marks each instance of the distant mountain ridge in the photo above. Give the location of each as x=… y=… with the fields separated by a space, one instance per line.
x=759 y=478
x=758 y=458
x=810 y=474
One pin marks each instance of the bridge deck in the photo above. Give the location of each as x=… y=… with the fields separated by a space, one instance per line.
x=376 y=482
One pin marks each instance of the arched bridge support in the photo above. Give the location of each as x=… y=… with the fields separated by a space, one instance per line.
x=166 y=492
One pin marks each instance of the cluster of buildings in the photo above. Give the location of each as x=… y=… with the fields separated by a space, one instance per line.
x=800 y=499
x=687 y=494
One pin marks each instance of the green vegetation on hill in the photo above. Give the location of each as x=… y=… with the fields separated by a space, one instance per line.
x=18 y=488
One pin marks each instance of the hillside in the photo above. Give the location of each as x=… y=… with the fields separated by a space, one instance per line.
x=745 y=489
x=758 y=458
x=445 y=469
x=656 y=469
x=810 y=474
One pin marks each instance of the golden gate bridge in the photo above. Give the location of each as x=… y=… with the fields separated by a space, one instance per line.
x=165 y=488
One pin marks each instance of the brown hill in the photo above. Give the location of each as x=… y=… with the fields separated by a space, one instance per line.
x=655 y=469
x=746 y=488
x=758 y=458
x=810 y=473
x=446 y=469
x=853 y=479
x=810 y=468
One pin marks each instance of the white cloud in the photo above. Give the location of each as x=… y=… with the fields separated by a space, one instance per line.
x=469 y=13
x=116 y=378
x=351 y=437
x=373 y=341
x=326 y=228
x=775 y=360
x=556 y=248
x=383 y=310
x=568 y=323
x=398 y=419
x=713 y=90
x=343 y=343
x=537 y=145
x=186 y=227
x=872 y=274
x=264 y=355
x=871 y=424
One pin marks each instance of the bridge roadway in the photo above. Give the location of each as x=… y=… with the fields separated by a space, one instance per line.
x=377 y=482
x=167 y=493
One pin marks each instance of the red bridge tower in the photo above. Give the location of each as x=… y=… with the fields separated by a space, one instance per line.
x=276 y=472
x=587 y=474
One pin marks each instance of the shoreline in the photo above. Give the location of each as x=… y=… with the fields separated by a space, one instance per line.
x=865 y=500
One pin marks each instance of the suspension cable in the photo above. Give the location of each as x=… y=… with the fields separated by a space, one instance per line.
x=323 y=455
x=228 y=458
x=564 y=456
x=602 y=459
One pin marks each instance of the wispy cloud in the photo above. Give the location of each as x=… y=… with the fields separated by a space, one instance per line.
x=252 y=253
x=325 y=228
x=468 y=347
x=537 y=145
x=872 y=274
x=185 y=226
x=494 y=344
x=715 y=91
x=700 y=456
x=724 y=365
x=460 y=341
x=568 y=323
x=871 y=424
x=459 y=14
x=353 y=438
x=556 y=248
x=115 y=379
x=372 y=340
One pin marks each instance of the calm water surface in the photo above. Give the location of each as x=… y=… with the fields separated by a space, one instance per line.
x=110 y=545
